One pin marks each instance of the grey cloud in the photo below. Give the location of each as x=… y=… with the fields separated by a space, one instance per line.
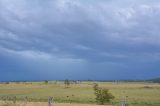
x=96 y=31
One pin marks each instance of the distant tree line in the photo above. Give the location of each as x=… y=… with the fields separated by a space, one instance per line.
x=156 y=80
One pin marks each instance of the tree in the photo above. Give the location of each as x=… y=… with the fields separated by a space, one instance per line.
x=67 y=83
x=46 y=82
x=102 y=95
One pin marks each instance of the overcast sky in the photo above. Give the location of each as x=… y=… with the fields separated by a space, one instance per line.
x=79 y=39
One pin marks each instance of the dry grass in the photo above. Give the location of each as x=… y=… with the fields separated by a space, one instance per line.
x=3 y=103
x=136 y=93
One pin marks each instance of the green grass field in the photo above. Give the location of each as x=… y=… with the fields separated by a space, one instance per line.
x=137 y=94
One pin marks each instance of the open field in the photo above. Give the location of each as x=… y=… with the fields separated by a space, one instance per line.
x=137 y=94
x=2 y=103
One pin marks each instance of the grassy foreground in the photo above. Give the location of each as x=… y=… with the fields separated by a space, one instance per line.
x=3 y=103
x=137 y=94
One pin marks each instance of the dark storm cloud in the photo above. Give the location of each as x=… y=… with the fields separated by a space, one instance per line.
x=113 y=31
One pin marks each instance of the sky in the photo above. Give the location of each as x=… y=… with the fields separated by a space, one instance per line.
x=79 y=39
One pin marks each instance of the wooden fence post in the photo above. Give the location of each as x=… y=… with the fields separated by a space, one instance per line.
x=7 y=99
x=123 y=102
x=50 y=101
x=25 y=101
x=14 y=99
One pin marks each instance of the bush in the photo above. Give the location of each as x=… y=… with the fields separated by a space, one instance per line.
x=6 y=82
x=102 y=95
x=46 y=82
x=67 y=83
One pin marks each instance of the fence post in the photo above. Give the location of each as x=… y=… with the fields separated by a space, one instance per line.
x=123 y=102
x=14 y=99
x=25 y=101
x=50 y=101
x=7 y=99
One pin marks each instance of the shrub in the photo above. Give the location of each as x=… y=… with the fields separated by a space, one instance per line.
x=6 y=82
x=102 y=95
x=46 y=82
x=67 y=83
